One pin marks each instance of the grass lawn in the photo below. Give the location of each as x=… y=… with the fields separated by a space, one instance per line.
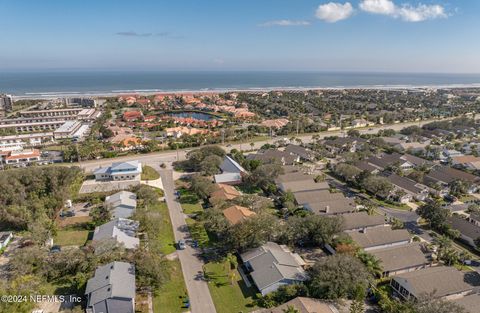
x=165 y=232
x=169 y=299
x=149 y=173
x=189 y=208
x=228 y=297
x=198 y=232
x=71 y=237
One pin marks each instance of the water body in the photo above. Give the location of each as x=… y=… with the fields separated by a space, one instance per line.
x=196 y=115
x=117 y=82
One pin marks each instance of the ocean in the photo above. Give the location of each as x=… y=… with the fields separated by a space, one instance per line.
x=62 y=83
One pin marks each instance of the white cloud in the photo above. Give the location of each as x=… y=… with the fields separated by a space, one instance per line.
x=284 y=23
x=333 y=11
x=386 y=7
x=406 y=12
x=421 y=12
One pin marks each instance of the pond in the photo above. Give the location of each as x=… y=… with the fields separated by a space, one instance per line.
x=196 y=115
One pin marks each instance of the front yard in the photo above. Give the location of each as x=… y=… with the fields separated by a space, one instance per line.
x=229 y=293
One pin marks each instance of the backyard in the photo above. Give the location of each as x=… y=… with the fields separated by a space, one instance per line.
x=71 y=237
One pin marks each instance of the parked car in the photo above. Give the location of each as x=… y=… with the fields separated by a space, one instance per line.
x=55 y=249
x=181 y=244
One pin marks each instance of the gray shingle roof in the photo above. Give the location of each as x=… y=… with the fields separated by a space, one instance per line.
x=378 y=236
x=471 y=303
x=313 y=196
x=361 y=220
x=114 y=280
x=401 y=257
x=272 y=263
x=440 y=280
x=337 y=206
x=303 y=185
x=121 y=230
x=465 y=227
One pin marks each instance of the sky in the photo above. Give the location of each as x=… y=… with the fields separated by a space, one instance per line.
x=265 y=35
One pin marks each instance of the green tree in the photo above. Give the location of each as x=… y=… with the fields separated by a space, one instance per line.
x=337 y=276
x=435 y=214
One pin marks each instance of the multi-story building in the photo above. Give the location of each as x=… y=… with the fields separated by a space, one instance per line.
x=119 y=171
x=20 y=156
x=6 y=103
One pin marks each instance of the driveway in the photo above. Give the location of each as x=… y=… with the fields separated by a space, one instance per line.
x=192 y=264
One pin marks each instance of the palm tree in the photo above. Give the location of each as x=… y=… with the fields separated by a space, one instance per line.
x=371 y=263
x=232 y=265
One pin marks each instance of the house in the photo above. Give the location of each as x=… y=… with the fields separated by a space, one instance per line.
x=23 y=156
x=468 y=162
x=309 y=197
x=332 y=207
x=121 y=204
x=272 y=266
x=357 y=123
x=469 y=230
x=237 y=214
x=370 y=239
x=303 y=185
x=303 y=305
x=438 y=282
x=444 y=175
x=112 y=289
x=415 y=190
x=5 y=238
x=401 y=259
x=277 y=123
x=120 y=230
x=304 y=153
x=131 y=116
x=232 y=172
x=275 y=156
x=470 y=302
x=412 y=147
x=360 y=221
x=224 y=192
x=130 y=170
x=345 y=144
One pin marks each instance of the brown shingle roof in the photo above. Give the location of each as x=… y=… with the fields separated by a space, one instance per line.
x=236 y=214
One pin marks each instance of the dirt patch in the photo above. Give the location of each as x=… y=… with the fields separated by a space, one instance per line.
x=69 y=221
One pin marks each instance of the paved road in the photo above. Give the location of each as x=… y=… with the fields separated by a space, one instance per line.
x=192 y=264
x=170 y=156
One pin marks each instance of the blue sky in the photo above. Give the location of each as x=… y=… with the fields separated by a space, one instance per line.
x=355 y=35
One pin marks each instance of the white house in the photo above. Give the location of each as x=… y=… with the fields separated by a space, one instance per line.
x=130 y=170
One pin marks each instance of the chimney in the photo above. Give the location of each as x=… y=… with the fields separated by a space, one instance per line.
x=327 y=209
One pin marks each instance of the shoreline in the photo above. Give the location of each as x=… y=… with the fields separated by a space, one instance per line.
x=48 y=95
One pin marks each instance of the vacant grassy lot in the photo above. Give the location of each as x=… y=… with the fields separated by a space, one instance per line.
x=229 y=295
x=164 y=237
x=170 y=298
x=149 y=173
x=71 y=237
